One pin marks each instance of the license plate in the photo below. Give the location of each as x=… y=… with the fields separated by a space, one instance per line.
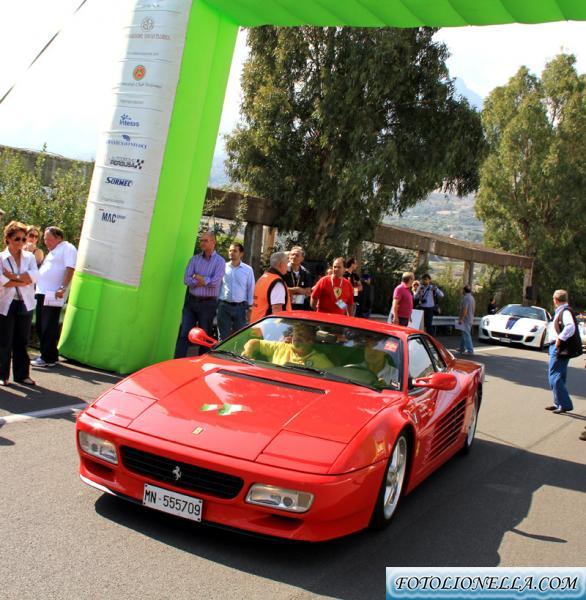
x=172 y=502
x=506 y=340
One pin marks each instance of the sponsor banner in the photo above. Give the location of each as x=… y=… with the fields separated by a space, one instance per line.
x=148 y=101
x=130 y=153
x=470 y=582
x=134 y=120
x=113 y=242
x=122 y=186
x=147 y=76
x=163 y=32
x=180 y=6
x=125 y=151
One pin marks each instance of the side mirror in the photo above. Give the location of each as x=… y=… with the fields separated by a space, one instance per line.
x=198 y=336
x=437 y=381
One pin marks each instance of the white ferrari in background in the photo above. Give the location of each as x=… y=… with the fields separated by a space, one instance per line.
x=516 y=324
x=582 y=327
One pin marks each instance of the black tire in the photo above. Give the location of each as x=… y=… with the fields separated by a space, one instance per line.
x=392 y=485
x=471 y=428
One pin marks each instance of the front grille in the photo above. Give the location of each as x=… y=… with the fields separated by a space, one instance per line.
x=515 y=337
x=192 y=478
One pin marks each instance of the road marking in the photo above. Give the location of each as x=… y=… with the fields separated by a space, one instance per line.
x=39 y=414
x=484 y=349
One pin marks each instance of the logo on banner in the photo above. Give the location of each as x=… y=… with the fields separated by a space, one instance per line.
x=125 y=141
x=119 y=181
x=139 y=72
x=147 y=24
x=128 y=121
x=129 y=163
x=110 y=217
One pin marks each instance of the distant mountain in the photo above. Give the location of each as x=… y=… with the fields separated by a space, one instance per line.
x=218 y=176
x=444 y=214
x=475 y=100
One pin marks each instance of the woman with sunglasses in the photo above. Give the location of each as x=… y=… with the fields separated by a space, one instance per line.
x=32 y=239
x=18 y=273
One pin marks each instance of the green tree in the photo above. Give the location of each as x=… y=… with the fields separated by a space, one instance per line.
x=533 y=181
x=343 y=125
x=25 y=197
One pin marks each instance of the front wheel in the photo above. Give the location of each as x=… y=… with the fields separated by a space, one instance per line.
x=392 y=485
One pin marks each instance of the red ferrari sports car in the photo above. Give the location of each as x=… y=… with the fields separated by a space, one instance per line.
x=305 y=426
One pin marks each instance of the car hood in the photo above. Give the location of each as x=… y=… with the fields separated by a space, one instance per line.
x=509 y=323
x=237 y=410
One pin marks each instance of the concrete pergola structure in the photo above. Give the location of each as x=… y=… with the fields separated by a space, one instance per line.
x=260 y=212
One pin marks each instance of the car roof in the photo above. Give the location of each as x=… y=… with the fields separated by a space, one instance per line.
x=359 y=323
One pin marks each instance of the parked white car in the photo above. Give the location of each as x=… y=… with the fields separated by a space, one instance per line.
x=582 y=327
x=517 y=324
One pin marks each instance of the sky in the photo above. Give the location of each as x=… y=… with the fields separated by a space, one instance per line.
x=61 y=100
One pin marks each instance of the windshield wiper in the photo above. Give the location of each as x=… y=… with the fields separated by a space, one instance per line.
x=330 y=376
x=235 y=356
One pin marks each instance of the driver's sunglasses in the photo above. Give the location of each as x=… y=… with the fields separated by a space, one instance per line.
x=19 y=239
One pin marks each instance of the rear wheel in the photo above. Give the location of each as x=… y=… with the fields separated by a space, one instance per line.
x=471 y=427
x=392 y=485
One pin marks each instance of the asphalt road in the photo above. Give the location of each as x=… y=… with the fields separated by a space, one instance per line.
x=517 y=500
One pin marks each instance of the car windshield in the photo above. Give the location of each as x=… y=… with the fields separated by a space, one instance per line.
x=320 y=349
x=523 y=312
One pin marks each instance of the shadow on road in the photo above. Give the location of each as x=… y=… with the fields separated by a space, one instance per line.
x=530 y=372
x=60 y=386
x=458 y=517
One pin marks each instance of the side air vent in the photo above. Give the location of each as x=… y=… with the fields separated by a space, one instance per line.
x=291 y=386
x=447 y=430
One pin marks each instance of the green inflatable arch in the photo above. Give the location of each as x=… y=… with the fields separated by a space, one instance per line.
x=121 y=326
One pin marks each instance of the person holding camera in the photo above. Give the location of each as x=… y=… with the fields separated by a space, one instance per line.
x=427 y=298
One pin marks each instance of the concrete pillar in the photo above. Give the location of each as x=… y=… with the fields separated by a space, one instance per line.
x=421 y=260
x=468 y=277
x=253 y=233
x=528 y=291
x=269 y=240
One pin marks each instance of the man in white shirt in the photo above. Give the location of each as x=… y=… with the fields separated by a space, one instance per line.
x=236 y=293
x=55 y=275
x=560 y=352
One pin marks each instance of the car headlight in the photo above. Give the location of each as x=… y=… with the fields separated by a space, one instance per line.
x=276 y=497
x=98 y=447
x=534 y=329
x=485 y=322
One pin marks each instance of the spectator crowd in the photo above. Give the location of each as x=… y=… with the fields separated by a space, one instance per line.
x=31 y=282
x=226 y=291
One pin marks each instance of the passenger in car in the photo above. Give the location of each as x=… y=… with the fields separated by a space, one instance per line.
x=378 y=362
x=300 y=350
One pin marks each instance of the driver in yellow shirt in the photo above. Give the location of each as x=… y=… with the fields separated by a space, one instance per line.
x=299 y=351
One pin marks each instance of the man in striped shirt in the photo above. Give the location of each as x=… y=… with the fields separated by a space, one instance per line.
x=203 y=276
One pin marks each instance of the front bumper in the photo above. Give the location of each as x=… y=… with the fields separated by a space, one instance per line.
x=532 y=340
x=342 y=504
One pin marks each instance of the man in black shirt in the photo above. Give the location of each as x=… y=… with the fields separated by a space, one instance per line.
x=298 y=279
x=353 y=277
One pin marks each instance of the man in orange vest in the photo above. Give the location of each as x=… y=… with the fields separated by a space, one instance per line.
x=270 y=292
